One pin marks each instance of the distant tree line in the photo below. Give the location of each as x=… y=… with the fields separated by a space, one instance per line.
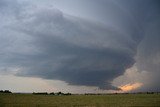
x=5 y=91
x=52 y=93
x=121 y=93
x=61 y=93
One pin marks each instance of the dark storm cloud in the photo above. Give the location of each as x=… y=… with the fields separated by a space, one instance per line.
x=46 y=43
x=148 y=51
x=75 y=50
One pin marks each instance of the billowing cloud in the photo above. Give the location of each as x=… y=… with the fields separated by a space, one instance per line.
x=44 y=42
x=74 y=50
x=148 y=57
x=146 y=70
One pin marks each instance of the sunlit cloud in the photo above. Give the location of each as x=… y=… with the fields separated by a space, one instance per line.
x=130 y=87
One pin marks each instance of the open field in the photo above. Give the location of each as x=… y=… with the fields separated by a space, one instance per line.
x=119 y=100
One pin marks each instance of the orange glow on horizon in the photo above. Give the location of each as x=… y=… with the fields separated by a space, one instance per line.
x=130 y=87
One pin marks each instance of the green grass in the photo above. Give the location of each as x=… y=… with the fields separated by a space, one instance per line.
x=119 y=100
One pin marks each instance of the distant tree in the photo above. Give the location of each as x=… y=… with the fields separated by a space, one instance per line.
x=52 y=93
x=150 y=92
x=59 y=93
x=40 y=93
x=67 y=94
x=5 y=91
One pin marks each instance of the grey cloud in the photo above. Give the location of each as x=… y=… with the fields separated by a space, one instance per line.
x=69 y=52
x=50 y=44
x=148 y=56
x=148 y=52
x=67 y=48
x=9 y=7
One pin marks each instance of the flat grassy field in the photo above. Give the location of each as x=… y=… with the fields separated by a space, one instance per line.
x=119 y=100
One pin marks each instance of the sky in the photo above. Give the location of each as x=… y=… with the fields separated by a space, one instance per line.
x=80 y=46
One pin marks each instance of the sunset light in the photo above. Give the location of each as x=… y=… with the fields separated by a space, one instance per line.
x=130 y=87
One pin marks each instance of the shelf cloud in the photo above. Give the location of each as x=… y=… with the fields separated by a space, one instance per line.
x=47 y=43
